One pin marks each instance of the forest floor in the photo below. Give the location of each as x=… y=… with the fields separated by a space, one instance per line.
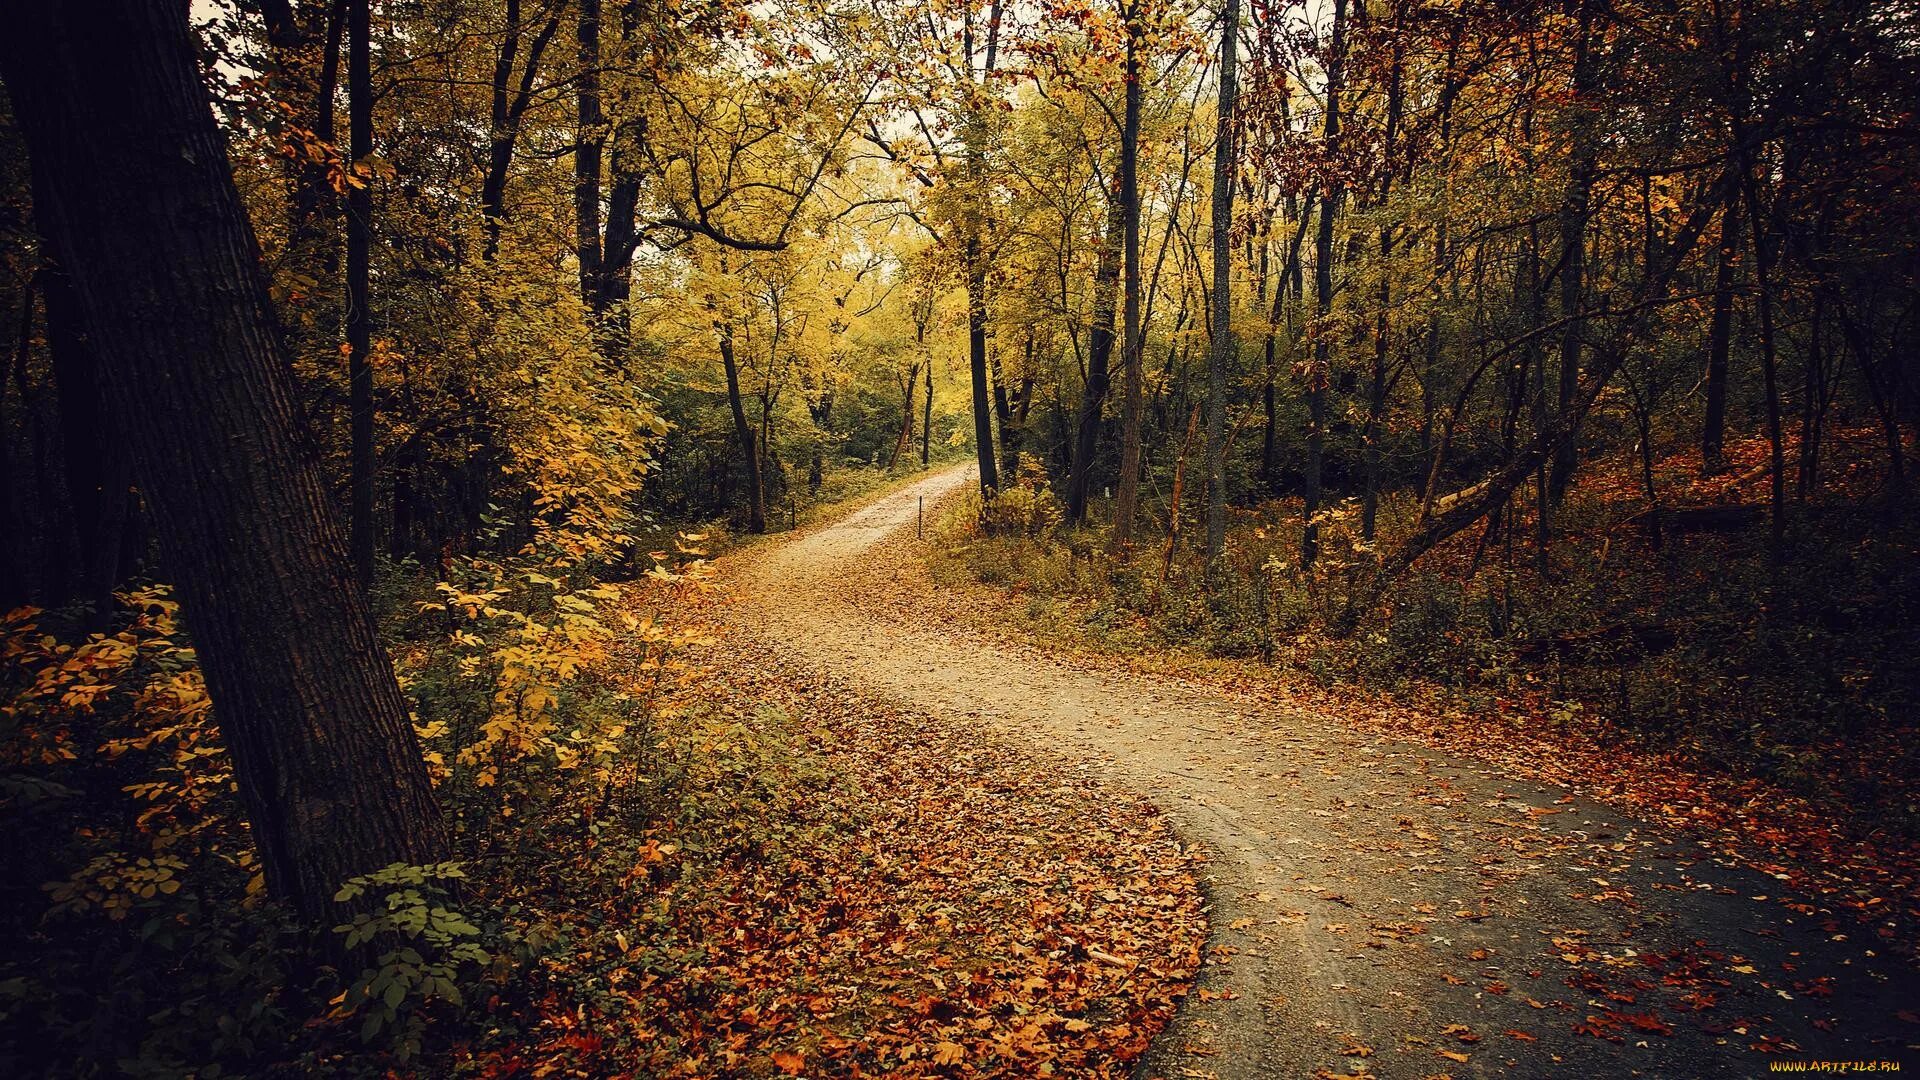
x=1378 y=906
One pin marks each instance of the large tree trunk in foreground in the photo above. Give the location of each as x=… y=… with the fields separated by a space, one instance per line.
x=144 y=218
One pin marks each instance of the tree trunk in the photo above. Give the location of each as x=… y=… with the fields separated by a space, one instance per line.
x=1221 y=351
x=977 y=368
x=926 y=420
x=589 y=142
x=1713 y=427
x=508 y=105
x=1317 y=375
x=1288 y=285
x=743 y=431
x=1813 y=405
x=906 y=418
x=119 y=128
x=359 y=293
x=96 y=467
x=1126 y=502
x=1769 y=368
x=15 y=581
x=1086 y=436
x=821 y=410
x=1003 y=412
x=1377 y=384
x=1575 y=208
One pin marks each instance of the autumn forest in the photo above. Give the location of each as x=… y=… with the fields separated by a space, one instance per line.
x=959 y=538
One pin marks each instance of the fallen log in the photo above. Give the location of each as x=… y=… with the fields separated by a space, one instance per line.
x=1447 y=502
x=1679 y=520
x=1617 y=644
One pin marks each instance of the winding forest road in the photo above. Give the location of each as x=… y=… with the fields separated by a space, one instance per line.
x=1377 y=908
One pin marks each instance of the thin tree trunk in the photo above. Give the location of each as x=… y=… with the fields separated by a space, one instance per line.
x=96 y=467
x=926 y=420
x=1575 y=208
x=977 y=368
x=1720 y=340
x=15 y=580
x=906 y=418
x=1099 y=380
x=743 y=431
x=1176 y=496
x=508 y=105
x=589 y=142
x=1377 y=384
x=1288 y=286
x=121 y=133
x=1127 y=497
x=1317 y=376
x=1814 y=403
x=1221 y=350
x=977 y=275
x=359 y=292
x=1769 y=365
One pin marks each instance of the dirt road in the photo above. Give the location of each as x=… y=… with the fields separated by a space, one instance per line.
x=1378 y=908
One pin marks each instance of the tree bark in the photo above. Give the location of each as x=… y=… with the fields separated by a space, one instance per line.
x=359 y=293
x=977 y=272
x=926 y=420
x=508 y=104
x=1126 y=501
x=1317 y=376
x=906 y=417
x=96 y=467
x=1713 y=427
x=1377 y=384
x=1099 y=382
x=1769 y=368
x=1575 y=208
x=743 y=431
x=977 y=368
x=144 y=216
x=589 y=142
x=1221 y=350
